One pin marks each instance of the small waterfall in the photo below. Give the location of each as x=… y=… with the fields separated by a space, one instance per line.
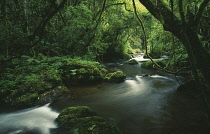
x=37 y=119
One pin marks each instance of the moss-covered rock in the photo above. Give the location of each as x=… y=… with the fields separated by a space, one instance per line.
x=50 y=95
x=96 y=127
x=117 y=76
x=33 y=99
x=26 y=100
x=82 y=120
x=68 y=115
x=151 y=65
x=76 y=72
x=132 y=62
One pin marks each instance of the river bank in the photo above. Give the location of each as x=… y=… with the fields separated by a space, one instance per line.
x=142 y=104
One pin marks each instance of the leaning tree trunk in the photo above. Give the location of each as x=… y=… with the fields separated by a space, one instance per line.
x=199 y=53
x=185 y=28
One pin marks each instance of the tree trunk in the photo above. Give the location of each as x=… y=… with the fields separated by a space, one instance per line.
x=185 y=30
x=200 y=54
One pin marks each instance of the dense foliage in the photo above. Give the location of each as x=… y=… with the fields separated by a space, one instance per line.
x=31 y=81
x=45 y=44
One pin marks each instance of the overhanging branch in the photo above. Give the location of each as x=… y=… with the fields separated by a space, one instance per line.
x=200 y=11
x=145 y=41
x=120 y=4
x=181 y=12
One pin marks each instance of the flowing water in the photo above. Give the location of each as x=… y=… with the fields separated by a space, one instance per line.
x=143 y=104
x=33 y=120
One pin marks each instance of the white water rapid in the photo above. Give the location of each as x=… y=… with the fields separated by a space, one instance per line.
x=38 y=119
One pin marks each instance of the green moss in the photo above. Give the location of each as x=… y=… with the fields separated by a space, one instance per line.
x=95 y=127
x=42 y=75
x=117 y=76
x=132 y=62
x=80 y=111
x=25 y=100
x=150 y=64
x=82 y=71
x=76 y=72
x=82 y=120
x=68 y=122
x=67 y=116
x=48 y=96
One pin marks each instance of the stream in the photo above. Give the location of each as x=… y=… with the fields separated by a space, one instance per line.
x=148 y=104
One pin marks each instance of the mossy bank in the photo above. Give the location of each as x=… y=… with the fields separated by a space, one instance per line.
x=33 y=81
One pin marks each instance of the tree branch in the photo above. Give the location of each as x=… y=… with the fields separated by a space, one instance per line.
x=103 y=8
x=200 y=11
x=162 y=12
x=39 y=30
x=119 y=4
x=3 y=2
x=181 y=12
x=145 y=41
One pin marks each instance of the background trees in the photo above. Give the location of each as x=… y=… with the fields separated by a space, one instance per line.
x=75 y=28
x=104 y=31
x=107 y=30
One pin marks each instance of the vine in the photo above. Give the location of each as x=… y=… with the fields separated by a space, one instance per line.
x=145 y=42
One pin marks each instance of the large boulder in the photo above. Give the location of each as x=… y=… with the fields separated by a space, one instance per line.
x=68 y=116
x=76 y=72
x=151 y=65
x=117 y=76
x=96 y=127
x=82 y=120
x=132 y=62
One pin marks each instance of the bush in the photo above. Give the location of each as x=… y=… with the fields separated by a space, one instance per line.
x=23 y=83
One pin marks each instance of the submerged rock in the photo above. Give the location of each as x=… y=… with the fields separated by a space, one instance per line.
x=144 y=75
x=82 y=120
